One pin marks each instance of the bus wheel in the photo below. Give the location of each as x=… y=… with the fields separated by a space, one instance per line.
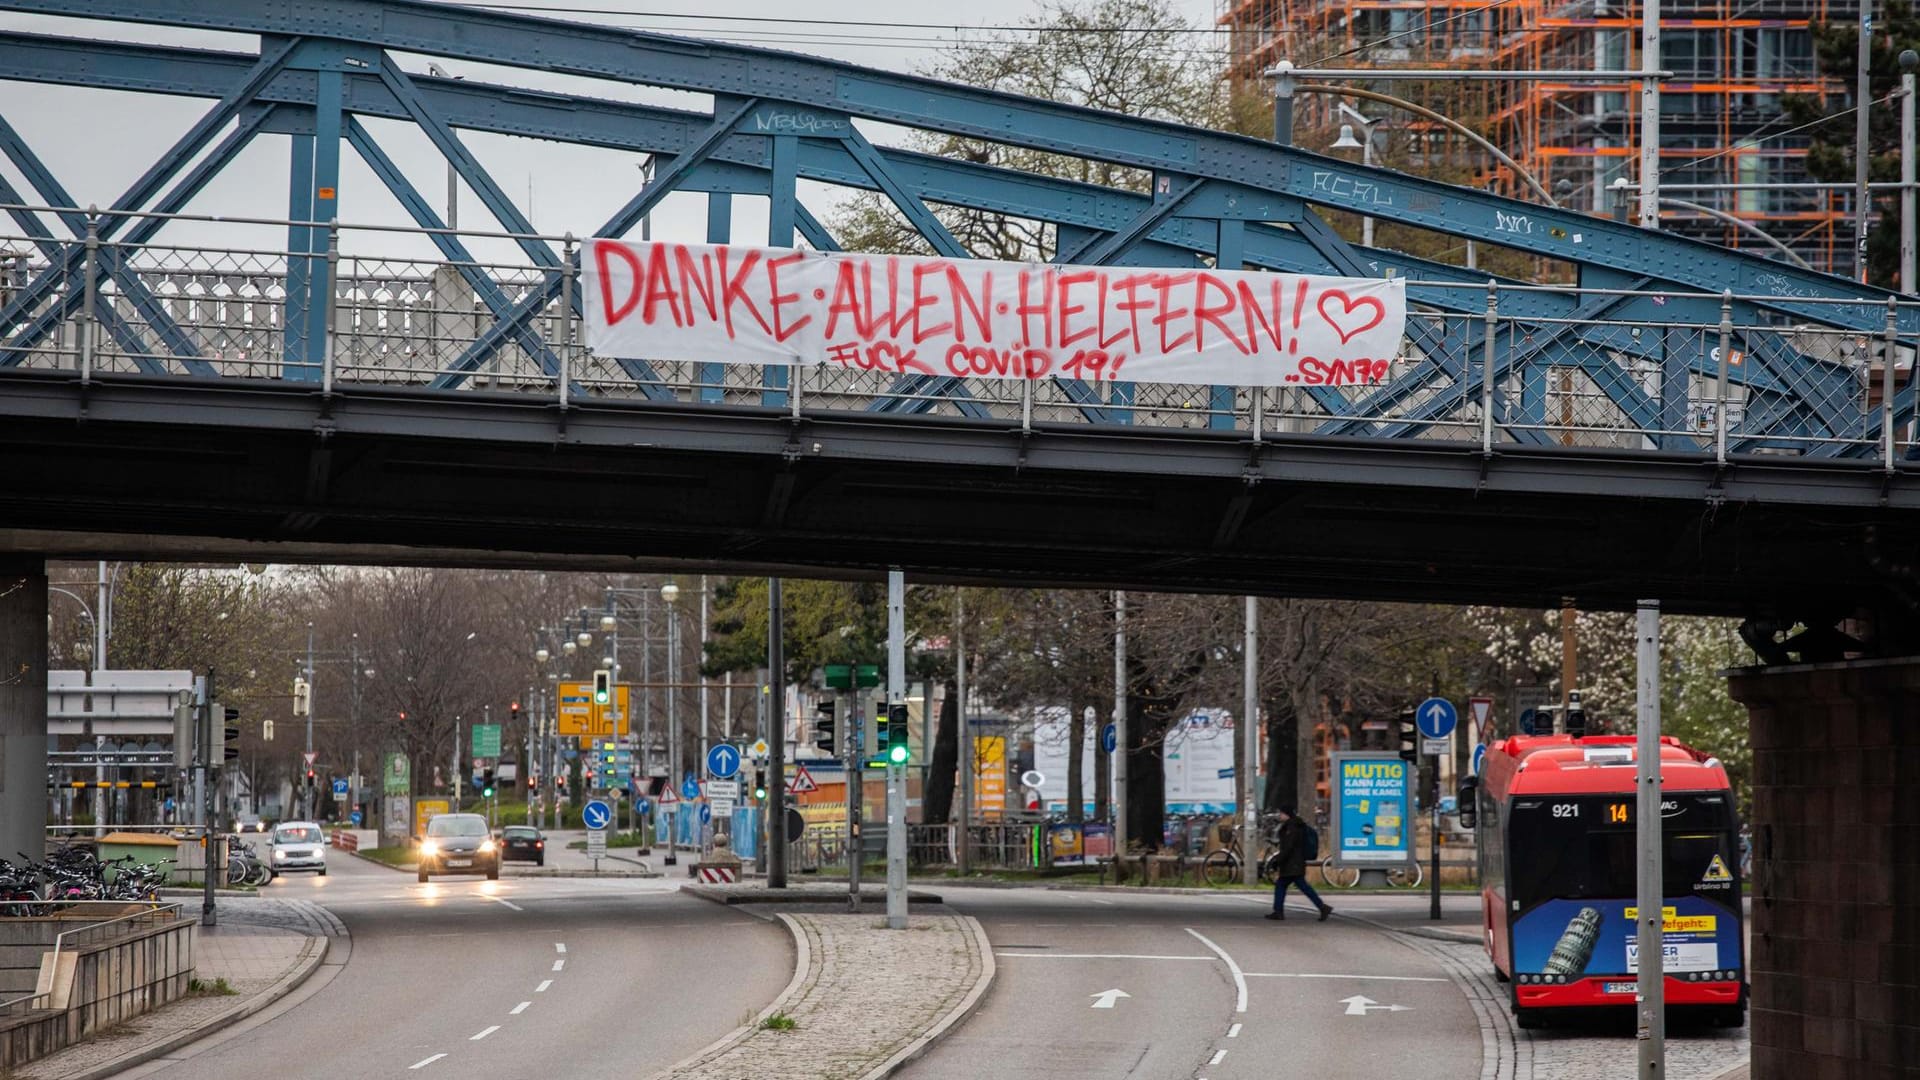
x=1729 y=1016
x=1528 y=1019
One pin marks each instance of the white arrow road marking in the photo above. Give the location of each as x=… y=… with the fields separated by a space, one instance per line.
x=1106 y=998
x=1359 y=1006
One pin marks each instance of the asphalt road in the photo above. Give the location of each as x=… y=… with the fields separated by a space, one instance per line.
x=535 y=977
x=1213 y=991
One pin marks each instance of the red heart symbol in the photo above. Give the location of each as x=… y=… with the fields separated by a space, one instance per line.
x=1348 y=306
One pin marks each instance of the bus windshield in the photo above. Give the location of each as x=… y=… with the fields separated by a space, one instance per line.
x=1583 y=847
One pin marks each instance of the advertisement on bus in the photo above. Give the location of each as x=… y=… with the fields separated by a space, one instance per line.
x=1373 y=799
x=1599 y=937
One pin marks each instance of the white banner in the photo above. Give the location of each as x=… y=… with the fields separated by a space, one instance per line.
x=996 y=320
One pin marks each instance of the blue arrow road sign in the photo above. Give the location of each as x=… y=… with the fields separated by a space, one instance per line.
x=596 y=814
x=690 y=787
x=641 y=806
x=706 y=813
x=1436 y=718
x=723 y=760
x=1479 y=755
x=354 y=817
x=339 y=787
x=1109 y=738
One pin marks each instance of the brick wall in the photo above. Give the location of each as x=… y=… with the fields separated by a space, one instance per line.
x=1836 y=879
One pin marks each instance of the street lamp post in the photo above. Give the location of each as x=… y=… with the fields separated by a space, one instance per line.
x=1346 y=141
x=670 y=593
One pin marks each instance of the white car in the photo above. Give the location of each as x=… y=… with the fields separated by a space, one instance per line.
x=299 y=845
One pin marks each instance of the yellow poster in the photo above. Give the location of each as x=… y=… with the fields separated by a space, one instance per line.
x=425 y=810
x=990 y=771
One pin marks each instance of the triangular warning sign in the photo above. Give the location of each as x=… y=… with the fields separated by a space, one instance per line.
x=802 y=780
x=1482 y=708
x=1717 y=871
x=668 y=796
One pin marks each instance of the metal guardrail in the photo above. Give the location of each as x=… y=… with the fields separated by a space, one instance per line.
x=151 y=913
x=1496 y=373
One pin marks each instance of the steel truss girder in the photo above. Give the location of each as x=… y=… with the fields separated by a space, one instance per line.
x=737 y=71
x=906 y=178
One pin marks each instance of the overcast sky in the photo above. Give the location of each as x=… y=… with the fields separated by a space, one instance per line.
x=97 y=142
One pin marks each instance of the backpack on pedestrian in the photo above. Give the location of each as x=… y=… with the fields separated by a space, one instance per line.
x=1309 y=842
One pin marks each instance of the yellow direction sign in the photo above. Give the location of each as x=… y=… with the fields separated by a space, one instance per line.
x=578 y=715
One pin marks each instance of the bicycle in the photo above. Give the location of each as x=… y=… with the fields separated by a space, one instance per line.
x=1223 y=866
x=1338 y=877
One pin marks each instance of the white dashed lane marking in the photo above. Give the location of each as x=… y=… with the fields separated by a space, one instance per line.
x=542 y=988
x=427 y=1062
x=520 y=1008
x=484 y=1032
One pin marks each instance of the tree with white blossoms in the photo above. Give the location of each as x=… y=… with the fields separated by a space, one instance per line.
x=1524 y=648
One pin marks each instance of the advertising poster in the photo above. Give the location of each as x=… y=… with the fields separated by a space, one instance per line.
x=1065 y=843
x=1373 y=795
x=396 y=777
x=425 y=810
x=1200 y=759
x=1598 y=937
x=990 y=774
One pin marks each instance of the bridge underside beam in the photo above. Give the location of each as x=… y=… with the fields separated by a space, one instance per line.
x=949 y=499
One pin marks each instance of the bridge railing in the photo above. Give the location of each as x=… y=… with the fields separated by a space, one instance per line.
x=1497 y=365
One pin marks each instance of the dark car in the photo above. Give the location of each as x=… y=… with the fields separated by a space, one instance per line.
x=459 y=844
x=523 y=843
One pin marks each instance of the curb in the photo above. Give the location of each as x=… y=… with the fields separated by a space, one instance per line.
x=956 y=1016
x=741 y=898
x=1451 y=937
x=802 y=972
x=310 y=960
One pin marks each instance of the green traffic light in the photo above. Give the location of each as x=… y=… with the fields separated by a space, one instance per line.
x=898 y=755
x=488 y=792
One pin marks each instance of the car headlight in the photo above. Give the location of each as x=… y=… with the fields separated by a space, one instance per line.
x=429 y=848
x=486 y=846
x=278 y=854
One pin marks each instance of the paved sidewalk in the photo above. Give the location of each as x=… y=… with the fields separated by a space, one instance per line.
x=263 y=948
x=864 y=999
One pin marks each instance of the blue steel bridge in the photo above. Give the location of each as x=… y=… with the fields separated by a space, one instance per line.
x=1722 y=431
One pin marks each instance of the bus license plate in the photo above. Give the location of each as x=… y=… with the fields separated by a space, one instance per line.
x=1621 y=988
x=459 y=862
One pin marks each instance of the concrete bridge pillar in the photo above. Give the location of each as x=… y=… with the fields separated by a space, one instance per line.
x=23 y=707
x=1836 y=876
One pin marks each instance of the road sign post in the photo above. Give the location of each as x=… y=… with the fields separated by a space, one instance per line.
x=896 y=764
x=1436 y=718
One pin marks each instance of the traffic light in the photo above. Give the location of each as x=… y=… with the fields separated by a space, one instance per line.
x=183 y=731
x=302 y=696
x=1576 y=715
x=1409 y=733
x=760 y=785
x=823 y=725
x=226 y=738
x=309 y=778
x=602 y=686
x=893 y=736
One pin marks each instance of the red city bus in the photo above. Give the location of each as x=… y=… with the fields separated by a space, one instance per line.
x=1555 y=821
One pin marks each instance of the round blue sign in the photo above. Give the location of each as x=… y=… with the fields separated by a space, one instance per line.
x=706 y=814
x=596 y=814
x=1436 y=718
x=690 y=787
x=723 y=760
x=1479 y=755
x=354 y=817
x=1110 y=738
x=642 y=806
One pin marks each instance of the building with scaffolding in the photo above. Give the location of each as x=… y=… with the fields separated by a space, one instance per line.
x=1731 y=62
